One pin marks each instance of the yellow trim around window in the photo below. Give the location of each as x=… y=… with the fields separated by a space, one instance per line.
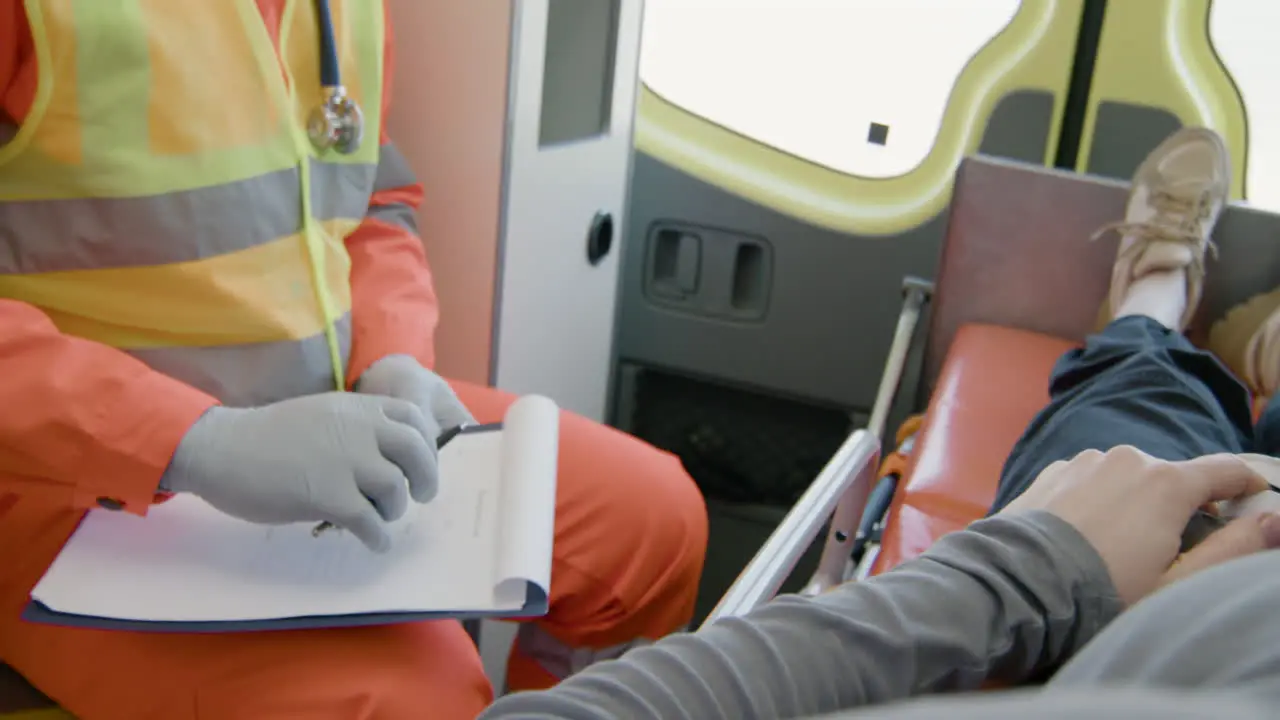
x=1159 y=54
x=1033 y=53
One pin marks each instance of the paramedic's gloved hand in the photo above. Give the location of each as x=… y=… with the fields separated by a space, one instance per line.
x=1133 y=508
x=404 y=378
x=344 y=458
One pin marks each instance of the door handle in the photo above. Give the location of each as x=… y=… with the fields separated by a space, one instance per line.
x=599 y=237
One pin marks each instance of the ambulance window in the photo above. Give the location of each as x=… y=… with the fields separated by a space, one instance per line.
x=857 y=86
x=577 y=81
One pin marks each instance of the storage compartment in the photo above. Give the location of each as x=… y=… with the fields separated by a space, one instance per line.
x=739 y=445
x=751 y=453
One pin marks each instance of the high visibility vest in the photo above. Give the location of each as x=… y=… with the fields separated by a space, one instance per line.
x=163 y=198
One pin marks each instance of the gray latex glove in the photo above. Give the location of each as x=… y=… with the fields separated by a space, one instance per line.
x=402 y=377
x=344 y=458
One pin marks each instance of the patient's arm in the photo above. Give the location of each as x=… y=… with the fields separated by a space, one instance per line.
x=1007 y=598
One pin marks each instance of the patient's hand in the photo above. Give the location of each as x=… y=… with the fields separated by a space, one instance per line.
x=1132 y=508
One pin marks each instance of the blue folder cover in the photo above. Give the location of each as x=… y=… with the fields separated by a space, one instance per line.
x=535 y=604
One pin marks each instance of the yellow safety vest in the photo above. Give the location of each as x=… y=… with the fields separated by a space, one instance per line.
x=163 y=198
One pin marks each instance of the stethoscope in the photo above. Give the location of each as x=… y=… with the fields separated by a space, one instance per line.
x=337 y=121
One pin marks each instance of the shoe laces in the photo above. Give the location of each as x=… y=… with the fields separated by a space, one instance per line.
x=1179 y=218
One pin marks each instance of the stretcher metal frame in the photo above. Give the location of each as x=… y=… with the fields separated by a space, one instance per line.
x=839 y=493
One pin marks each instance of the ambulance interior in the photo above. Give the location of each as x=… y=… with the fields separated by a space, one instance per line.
x=824 y=251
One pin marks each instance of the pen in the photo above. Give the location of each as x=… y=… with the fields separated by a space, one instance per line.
x=441 y=441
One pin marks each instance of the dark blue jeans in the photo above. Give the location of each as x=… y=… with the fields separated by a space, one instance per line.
x=1138 y=383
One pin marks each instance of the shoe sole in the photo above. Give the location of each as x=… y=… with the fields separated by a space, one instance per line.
x=1229 y=337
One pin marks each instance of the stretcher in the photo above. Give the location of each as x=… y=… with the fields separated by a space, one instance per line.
x=1019 y=283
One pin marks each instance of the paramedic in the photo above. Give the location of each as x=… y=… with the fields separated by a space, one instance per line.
x=185 y=283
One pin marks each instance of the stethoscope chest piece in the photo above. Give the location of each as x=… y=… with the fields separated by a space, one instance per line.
x=336 y=123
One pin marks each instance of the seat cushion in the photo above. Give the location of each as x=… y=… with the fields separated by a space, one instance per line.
x=993 y=382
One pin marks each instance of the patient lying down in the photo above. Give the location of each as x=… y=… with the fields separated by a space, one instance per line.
x=1078 y=575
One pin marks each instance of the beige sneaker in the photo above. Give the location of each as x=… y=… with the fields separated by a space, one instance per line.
x=1247 y=340
x=1177 y=194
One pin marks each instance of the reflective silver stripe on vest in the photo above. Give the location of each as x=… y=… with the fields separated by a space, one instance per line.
x=393 y=172
x=562 y=660
x=340 y=190
x=393 y=169
x=97 y=233
x=398 y=214
x=254 y=374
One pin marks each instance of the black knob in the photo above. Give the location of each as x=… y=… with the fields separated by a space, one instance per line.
x=599 y=237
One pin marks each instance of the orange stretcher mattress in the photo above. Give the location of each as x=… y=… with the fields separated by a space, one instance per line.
x=994 y=381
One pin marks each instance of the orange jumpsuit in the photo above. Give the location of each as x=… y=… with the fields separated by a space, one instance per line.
x=630 y=525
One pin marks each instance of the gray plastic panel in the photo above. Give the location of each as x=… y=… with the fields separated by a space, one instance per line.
x=1124 y=134
x=834 y=298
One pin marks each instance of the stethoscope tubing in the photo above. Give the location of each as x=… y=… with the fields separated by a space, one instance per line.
x=330 y=72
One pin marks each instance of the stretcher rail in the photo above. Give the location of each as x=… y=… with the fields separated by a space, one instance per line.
x=840 y=492
x=845 y=481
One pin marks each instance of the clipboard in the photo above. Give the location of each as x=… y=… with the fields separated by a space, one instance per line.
x=480 y=549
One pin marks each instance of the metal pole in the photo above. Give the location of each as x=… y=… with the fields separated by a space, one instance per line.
x=839 y=492
x=916 y=292
x=836 y=565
